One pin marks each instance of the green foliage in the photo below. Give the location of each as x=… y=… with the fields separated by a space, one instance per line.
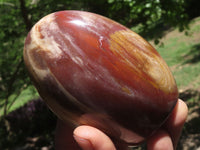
x=149 y=14
x=13 y=77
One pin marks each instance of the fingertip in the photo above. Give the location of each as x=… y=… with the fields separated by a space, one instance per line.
x=160 y=141
x=178 y=115
x=82 y=136
x=183 y=111
x=85 y=144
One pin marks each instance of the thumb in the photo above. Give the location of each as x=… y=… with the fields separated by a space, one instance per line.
x=90 y=138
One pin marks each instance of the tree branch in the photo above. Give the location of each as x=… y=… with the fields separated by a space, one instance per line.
x=25 y=15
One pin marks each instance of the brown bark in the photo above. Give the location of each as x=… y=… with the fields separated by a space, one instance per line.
x=25 y=15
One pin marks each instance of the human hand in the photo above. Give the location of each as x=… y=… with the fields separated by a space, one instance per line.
x=90 y=138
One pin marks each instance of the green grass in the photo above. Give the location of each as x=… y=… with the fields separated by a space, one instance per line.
x=188 y=76
x=182 y=54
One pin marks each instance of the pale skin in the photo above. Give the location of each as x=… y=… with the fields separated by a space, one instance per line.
x=90 y=138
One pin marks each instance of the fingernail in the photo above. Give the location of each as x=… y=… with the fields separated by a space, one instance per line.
x=83 y=143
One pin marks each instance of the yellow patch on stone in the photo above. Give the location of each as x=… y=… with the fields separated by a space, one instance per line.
x=142 y=58
x=126 y=90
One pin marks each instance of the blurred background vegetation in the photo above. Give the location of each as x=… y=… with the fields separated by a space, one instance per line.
x=172 y=26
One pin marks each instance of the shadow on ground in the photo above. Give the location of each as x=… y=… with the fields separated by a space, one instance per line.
x=193 y=56
x=190 y=139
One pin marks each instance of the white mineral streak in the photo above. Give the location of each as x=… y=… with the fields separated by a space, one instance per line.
x=48 y=42
x=78 y=22
x=91 y=25
x=75 y=53
x=88 y=21
x=49 y=45
x=100 y=42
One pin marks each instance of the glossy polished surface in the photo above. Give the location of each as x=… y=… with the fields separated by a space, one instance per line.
x=92 y=70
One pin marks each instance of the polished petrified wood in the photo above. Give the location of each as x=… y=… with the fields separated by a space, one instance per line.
x=91 y=70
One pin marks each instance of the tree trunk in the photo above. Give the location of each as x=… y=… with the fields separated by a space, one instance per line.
x=24 y=13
